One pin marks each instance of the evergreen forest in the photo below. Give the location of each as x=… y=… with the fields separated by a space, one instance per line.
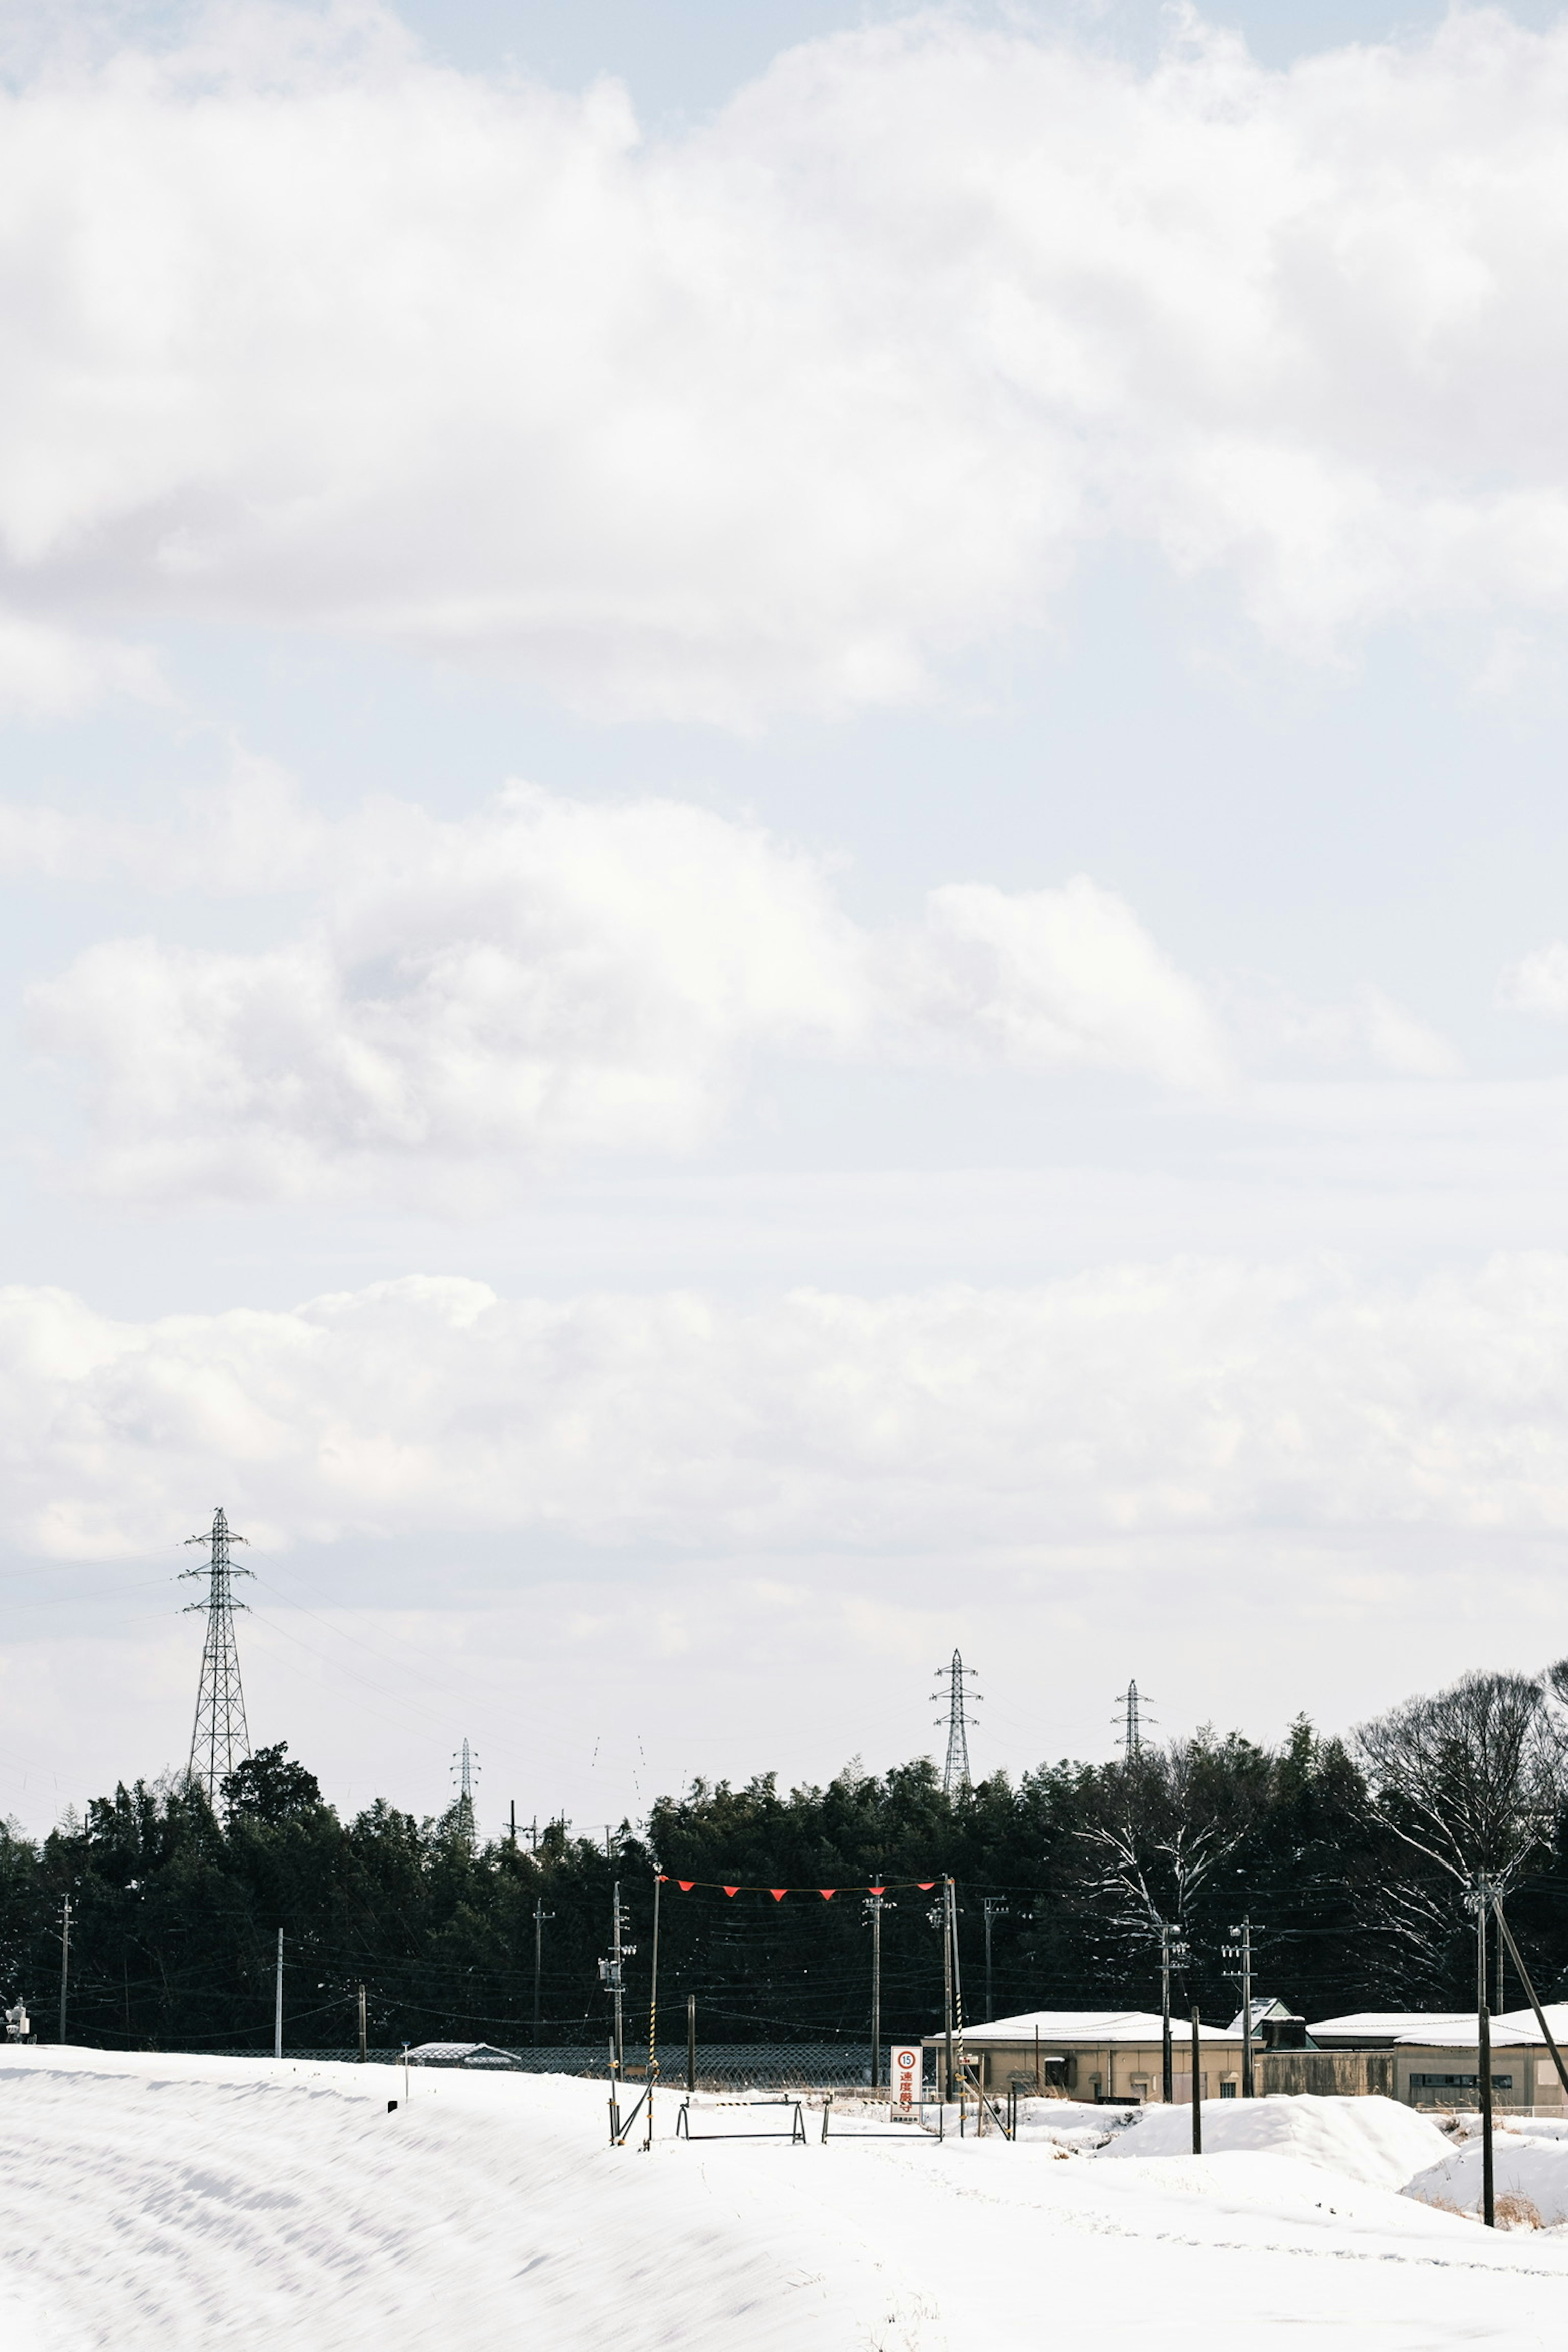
x=1355 y=1861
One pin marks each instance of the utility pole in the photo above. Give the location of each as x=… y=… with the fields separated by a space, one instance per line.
x=956 y=1771
x=1197 y=2084
x=1243 y=1952
x=362 y=2053
x=511 y=1833
x=992 y=1909
x=539 y=1916
x=220 y=1741
x=875 y=1903
x=691 y=2042
x=1482 y=1899
x=1173 y=1954
x=1129 y=1707
x=947 y=1986
x=64 y=1961
x=612 y=1976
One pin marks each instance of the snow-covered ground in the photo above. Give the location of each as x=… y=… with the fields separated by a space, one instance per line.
x=186 y=2202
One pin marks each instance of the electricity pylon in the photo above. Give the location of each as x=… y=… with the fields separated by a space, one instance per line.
x=1132 y=1717
x=956 y=1771
x=219 y=1739
x=467 y=1764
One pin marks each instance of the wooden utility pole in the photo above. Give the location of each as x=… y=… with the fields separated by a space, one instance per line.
x=278 y=2006
x=538 y=1951
x=947 y=1986
x=1198 y=2085
x=993 y=1908
x=1242 y=1951
x=64 y=1961
x=362 y=2053
x=1167 y=2062
x=1506 y=1932
x=1484 y=2053
x=875 y=1901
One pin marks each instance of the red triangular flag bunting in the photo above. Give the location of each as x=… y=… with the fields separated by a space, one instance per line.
x=731 y=1890
x=778 y=1893
x=827 y=1893
x=686 y=1885
x=877 y=1890
x=925 y=1884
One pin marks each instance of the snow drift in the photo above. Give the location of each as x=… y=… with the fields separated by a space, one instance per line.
x=1529 y=2177
x=1374 y=2141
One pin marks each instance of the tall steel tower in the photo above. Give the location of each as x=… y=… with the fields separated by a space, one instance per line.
x=1132 y=1716
x=467 y=1764
x=219 y=1741
x=956 y=1771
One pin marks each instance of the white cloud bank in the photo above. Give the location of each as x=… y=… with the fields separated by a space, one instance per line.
x=1538 y=983
x=302 y=329
x=544 y=978
x=1151 y=1405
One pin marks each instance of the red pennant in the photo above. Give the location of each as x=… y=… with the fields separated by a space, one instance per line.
x=686 y=1885
x=827 y=1893
x=878 y=1890
x=729 y=1890
x=925 y=1884
x=778 y=1893
x=664 y=1878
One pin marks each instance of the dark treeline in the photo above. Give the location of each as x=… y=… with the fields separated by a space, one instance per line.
x=1338 y=1854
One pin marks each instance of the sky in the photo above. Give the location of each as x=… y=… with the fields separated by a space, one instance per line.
x=784 y=866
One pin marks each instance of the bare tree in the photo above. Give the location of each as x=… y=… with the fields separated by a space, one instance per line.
x=1473 y=1778
x=1168 y=1818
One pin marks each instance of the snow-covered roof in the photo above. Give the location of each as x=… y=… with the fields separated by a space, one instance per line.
x=1268 y=2007
x=1422 y=2030
x=460 y=2054
x=1083 y=2025
x=1555 y=2014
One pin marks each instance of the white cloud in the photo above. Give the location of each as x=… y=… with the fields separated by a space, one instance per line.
x=303 y=329
x=1151 y=1406
x=1538 y=983
x=546 y=977
x=1275 y=1025
x=47 y=672
x=1052 y=978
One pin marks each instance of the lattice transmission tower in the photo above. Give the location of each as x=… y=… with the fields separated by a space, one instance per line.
x=956 y=1771
x=1133 y=1715
x=465 y=1764
x=219 y=1739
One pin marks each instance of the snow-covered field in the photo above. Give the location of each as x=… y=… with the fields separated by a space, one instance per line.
x=185 y=2202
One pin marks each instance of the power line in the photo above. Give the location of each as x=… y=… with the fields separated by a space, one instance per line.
x=219 y=1738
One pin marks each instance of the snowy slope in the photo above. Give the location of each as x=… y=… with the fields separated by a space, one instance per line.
x=180 y=2203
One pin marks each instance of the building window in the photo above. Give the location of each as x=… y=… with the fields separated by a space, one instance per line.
x=1457 y=2082
x=1227 y=2088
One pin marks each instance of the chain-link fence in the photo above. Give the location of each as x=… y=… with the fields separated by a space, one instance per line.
x=720 y=2066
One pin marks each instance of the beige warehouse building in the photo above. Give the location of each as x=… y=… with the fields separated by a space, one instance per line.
x=1095 y=2054
x=1426 y=2058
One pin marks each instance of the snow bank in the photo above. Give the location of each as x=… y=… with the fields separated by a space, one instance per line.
x=161 y=2204
x=1373 y=2140
x=173 y=2204
x=1529 y=2172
